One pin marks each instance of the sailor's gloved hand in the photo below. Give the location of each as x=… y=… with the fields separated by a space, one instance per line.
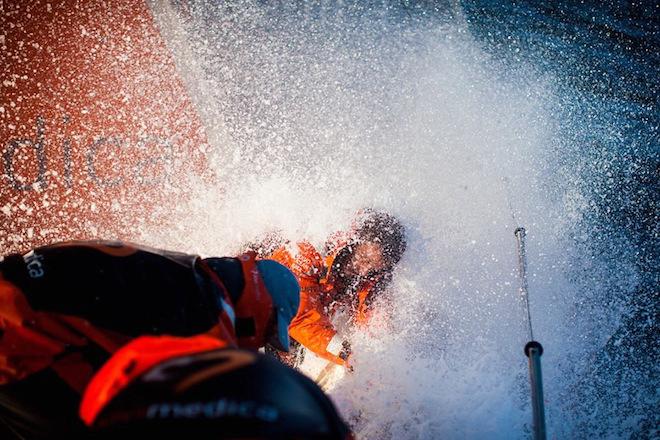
x=345 y=353
x=345 y=350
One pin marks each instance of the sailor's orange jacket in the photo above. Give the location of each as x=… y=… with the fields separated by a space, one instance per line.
x=312 y=326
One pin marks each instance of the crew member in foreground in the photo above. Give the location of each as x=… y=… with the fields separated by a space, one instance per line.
x=66 y=308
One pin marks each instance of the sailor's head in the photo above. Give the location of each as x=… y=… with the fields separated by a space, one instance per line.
x=378 y=243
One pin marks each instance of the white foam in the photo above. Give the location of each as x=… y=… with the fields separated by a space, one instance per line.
x=422 y=123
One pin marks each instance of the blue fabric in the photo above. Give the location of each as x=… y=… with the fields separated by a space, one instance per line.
x=285 y=292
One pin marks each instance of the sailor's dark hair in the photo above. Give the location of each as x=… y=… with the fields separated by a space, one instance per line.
x=381 y=227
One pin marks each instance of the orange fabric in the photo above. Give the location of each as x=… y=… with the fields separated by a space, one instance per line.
x=75 y=370
x=31 y=341
x=108 y=340
x=134 y=359
x=363 y=313
x=255 y=303
x=312 y=326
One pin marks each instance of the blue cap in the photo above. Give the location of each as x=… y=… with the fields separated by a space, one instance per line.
x=285 y=293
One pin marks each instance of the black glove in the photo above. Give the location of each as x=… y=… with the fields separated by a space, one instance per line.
x=345 y=350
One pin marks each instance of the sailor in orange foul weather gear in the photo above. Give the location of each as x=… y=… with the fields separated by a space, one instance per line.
x=349 y=276
x=65 y=308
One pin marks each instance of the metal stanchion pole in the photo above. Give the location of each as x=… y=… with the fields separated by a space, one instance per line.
x=533 y=349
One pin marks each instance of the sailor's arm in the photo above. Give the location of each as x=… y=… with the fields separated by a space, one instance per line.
x=312 y=328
